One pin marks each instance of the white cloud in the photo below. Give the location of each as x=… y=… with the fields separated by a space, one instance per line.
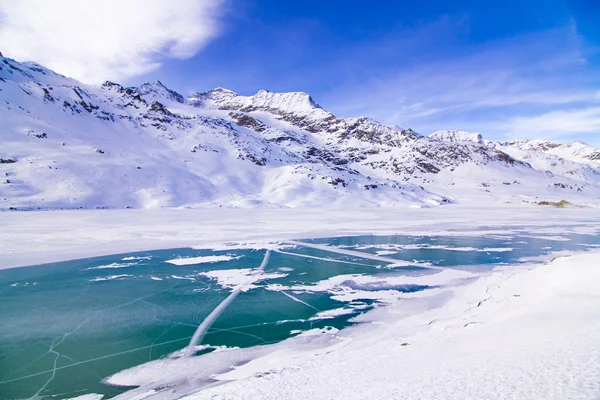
x=529 y=86
x=557 y=124
x=96 y=40
x=524 y=70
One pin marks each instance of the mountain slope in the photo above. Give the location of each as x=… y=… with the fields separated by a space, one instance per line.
x=64 y=144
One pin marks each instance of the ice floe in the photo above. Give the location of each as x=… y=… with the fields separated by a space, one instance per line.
x=202 y=260
x=231 y=278
x=110 y=278
x=112 y=266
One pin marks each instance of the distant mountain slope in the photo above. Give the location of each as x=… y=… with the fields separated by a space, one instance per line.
x=64 y=144
x=458 y=136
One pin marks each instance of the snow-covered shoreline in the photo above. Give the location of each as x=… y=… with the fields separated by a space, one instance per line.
x=38 y=237
x=520 y=332
x=528 y=332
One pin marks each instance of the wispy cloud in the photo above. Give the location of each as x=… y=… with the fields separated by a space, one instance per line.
x=582 y=123
x=535 y=85
x=95 y=40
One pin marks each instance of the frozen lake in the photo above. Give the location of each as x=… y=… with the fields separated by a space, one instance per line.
x=66 y=326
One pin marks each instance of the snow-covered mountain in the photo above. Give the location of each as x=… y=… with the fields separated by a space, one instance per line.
x=458 y=136
x=64 y=144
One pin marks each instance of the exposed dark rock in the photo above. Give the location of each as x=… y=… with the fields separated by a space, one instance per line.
x=427 y=167
x=248 y=122
x=160 y=108
x=47 y=95
x=281 y=139
x=203 y=148
x=261 y=161
x=316 y=155
x=337 y=181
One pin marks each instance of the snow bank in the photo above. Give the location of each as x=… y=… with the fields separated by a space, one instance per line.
x=520 y=333
x=92 y=396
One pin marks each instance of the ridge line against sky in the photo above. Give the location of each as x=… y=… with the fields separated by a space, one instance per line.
x=516 y=69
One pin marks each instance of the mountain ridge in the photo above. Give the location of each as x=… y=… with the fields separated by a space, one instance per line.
x=72 y=145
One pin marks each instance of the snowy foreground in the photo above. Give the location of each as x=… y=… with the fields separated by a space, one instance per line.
x=520 y=332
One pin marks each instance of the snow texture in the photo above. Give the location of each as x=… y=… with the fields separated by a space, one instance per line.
x=66 y=145
x=526 y=333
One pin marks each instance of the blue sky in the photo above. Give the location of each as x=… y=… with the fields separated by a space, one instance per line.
x=505 y=69
x=528 y=68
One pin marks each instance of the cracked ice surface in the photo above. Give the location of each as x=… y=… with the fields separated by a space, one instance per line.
x=152 y=312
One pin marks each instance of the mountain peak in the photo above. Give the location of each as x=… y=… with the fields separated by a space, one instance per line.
x=299 y=104
x=211 y=99
x=158 y=91
x=223 y=90
x=583 y=145
x=457 y=136
x=288 y=102
x=577 y=151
